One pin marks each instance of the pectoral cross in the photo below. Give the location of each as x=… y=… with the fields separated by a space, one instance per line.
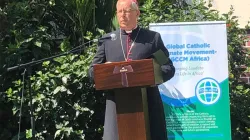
x=123 y=70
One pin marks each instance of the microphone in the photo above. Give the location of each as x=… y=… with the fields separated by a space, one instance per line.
x=111 y=37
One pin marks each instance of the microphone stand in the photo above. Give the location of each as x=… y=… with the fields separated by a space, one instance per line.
x=28 y=66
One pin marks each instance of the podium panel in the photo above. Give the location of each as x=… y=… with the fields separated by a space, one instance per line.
x=124 y=74
x=132 y=114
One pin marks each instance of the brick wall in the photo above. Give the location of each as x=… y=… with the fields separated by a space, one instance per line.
x=246 y=76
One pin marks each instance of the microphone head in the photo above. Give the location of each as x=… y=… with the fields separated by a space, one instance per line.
x=113 y=36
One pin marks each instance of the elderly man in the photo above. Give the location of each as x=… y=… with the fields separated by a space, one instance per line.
x=133 y=43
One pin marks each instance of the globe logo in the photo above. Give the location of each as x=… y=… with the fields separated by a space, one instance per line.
x=208 y=91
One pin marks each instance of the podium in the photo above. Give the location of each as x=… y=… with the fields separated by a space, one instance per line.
x=129 y=81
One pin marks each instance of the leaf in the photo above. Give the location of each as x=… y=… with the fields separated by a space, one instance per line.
x=42 y=28
x=240 y=87
x=85 y=109
x=63 y=89
x=64 y=46
x=64 y=66
x=68 y=130
x=28 y=133
x=38 y=44
x=46 y=63
x=57 y=90
x=54 y=103
x=57 y=133
x=69 y=92
x=77 y=113
x=26 y=40
x=14 y=110
x=9 y=91
x=12 y=47
x=247 y=91
x=66 y=123
x=59 y=126
x=51 y=75
x=64 y=80
x=40 y=73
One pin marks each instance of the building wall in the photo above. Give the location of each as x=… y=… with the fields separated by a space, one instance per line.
x=241 y=7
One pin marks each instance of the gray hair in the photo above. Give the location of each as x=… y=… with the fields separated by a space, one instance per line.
x=134 y=5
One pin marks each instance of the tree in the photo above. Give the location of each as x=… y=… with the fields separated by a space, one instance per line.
x=36 y=30
x=65 y=104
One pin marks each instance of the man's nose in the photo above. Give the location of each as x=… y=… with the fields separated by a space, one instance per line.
x=123 y=15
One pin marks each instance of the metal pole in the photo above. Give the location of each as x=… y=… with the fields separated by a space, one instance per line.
x=31 y=105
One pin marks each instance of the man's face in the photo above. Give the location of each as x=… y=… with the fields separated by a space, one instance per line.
x=127 y=17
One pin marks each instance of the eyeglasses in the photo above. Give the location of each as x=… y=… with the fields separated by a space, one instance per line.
x=125 y=11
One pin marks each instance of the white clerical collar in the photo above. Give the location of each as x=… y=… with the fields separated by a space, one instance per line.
x=130 y=31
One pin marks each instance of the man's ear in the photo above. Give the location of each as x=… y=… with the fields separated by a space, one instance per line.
x=138 y=13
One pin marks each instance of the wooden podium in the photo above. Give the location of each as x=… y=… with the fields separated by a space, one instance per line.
x=129 y=81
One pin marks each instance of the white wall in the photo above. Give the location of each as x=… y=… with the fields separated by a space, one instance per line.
x=241 y=7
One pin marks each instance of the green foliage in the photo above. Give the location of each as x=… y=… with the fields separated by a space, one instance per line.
x=104 y=13
x=167 y=11
x=65 y=104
